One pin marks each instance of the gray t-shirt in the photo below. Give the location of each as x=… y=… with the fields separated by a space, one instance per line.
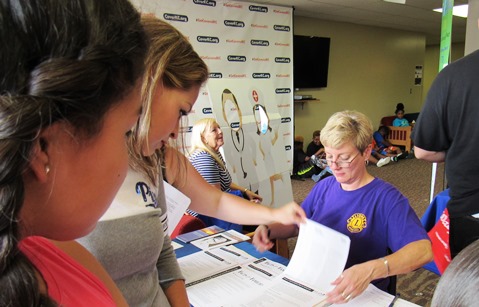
x=130 y=241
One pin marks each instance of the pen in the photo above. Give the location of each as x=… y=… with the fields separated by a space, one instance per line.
x=394 y=300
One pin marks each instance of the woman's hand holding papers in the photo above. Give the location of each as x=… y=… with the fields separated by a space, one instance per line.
x=354 y=281
x=291 y=213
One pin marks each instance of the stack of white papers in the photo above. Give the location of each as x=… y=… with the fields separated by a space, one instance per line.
x=227 y=277
x=318 y=259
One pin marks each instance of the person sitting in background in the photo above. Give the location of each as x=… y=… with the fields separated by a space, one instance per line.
x=376 y=153
x=459 y=284
x=315 y=147
x=305 y=166
x=372 y=213
x=206 y=141
x=69 y=93
x=400 y=121
x=384 y=147
x=302 y=164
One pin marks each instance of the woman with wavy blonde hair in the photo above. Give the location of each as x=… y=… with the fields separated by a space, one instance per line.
x=205 y=156
x=131 y=239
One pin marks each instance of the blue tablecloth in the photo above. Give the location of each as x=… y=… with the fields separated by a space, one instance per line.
x=188 y=249
x=430 y=218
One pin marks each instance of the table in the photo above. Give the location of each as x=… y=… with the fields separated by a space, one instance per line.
x=372 y=297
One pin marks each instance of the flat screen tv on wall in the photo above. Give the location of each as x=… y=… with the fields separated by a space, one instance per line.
x=310 y=61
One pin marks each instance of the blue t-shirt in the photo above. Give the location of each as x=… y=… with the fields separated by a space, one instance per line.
x=379 y=140
x=375 y=217
x=400 y=122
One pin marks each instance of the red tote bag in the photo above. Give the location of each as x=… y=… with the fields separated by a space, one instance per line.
x=439 y=236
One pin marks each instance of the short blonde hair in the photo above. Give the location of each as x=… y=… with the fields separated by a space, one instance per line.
x=347 y=126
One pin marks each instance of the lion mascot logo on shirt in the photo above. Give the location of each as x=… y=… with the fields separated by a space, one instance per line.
x=356 y=223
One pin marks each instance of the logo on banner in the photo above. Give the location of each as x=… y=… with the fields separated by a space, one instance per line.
x=216 y=75
x=261 y=75
x=287 y=147
x=233 y=5
x=207 y=111
x=281 y=12
x=236 y=58
x=282 y=28
x=205 y=2
x=175 y=17
x=257 y=8
x=254 y=25
x=211 y=58
x=237 y=76
x=234 y=23
x=257 y=42
x=208 y=39
x=235 y=41
x=260 y=59
x=283 y=90
x=203 y=20
x=282 y=60
x=285 y=120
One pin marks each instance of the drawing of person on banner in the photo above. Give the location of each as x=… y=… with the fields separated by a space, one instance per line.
x=268 y=137
x=233 y=117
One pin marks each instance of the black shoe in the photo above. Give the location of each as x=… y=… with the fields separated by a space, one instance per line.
x=297 y=177
x=402 y=155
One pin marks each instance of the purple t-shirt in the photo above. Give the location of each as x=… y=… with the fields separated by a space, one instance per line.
x=375 y=217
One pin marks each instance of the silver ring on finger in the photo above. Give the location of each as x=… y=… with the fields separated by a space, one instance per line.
x=347 y=298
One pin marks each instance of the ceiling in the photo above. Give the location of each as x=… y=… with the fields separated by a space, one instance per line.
x=415 y=15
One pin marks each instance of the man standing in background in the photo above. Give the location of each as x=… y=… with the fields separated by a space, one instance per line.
x=447 y=130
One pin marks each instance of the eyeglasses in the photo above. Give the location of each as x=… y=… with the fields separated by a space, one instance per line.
x=339 y=163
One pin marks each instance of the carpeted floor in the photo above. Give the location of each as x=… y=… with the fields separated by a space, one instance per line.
x=413 y=178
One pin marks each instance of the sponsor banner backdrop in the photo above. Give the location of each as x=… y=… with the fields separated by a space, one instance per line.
x=250 y=45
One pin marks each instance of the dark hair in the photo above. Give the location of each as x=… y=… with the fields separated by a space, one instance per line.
x=399 y=107
x=384 y=129
x=316 y=133
x=60 y=60
x=459 y=284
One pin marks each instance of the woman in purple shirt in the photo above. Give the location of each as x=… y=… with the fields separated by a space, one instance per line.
x=373 y=213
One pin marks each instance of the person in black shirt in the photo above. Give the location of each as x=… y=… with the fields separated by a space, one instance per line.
x=315 y=147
